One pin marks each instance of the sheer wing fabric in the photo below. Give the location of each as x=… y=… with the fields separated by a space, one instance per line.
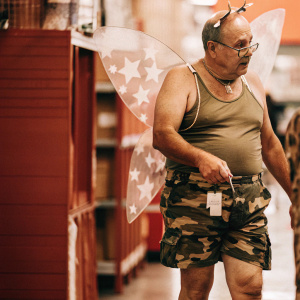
x=137 y=64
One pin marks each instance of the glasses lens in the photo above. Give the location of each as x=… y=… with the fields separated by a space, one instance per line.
x=254 y=47
x=244 y=51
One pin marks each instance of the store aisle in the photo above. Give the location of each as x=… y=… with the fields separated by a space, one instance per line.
x=157 y=282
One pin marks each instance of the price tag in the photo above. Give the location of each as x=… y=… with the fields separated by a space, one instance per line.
x=214 y=202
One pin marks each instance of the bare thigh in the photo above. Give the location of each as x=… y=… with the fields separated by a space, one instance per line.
x=244 y=280
x=196 y=283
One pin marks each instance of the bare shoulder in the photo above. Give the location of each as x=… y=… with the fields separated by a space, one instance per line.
x=256 y=87
x=173 y=97
x=180 y=74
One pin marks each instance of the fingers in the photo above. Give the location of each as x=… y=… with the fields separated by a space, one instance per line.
x=217 y=173
x=227 y=170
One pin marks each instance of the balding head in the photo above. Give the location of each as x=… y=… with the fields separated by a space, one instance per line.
x=211 y=33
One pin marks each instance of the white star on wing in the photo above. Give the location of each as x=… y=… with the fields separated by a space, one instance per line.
x=132 y=209
x=112 y=69
x=149 y=160
x=130 y=70
x=146 y=189
x=141 y=95
x=153 y=72
x=105 y=45
x=160 y=165
x=139 y=149
x=150 y=53
x=143 y=118
x=123 y=89
x=134 y=175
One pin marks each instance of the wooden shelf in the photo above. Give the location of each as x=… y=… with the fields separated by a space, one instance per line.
x=106 y=143
x=132 y=260
x=60 y=222
x=107 y=203
x=106 y=267
x=104 y=87
x=130 y=140
x=83 y=41
x=152 y=208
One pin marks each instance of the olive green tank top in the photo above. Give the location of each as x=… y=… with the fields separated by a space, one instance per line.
x=229 y=130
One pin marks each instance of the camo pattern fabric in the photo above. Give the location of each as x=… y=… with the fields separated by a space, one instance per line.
x=193 y=238
x=292 y=148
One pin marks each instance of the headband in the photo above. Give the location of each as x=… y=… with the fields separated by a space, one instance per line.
x=230 y=11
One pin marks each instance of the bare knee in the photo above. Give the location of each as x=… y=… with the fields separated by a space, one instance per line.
x=244 y=280
x=249 y=286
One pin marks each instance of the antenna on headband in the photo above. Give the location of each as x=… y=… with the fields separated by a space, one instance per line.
x=230 y=11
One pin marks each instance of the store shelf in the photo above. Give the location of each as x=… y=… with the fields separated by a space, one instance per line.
x=106 y=143
x=132 y=260
x=83 y=41
x=107 y=203
x=106 y=267
x=104 y=87
x=59 y=220
x=130 y=140
x=152 y=208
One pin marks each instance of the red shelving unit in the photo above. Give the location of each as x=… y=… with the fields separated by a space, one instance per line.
x=47 y=229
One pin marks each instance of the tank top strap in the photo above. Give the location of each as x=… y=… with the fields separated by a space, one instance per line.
x=198 y=96
x=246 y=83
x=249 y=89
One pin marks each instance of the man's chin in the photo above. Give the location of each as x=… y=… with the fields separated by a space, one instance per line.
x=243 y=68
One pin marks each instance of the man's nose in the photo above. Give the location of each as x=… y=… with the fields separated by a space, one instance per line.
x=250 y=52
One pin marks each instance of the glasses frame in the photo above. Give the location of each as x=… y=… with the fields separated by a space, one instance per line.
x=239 y=50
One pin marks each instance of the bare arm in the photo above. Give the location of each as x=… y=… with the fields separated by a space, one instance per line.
x=272 y=151
x=292 y=148
x=275 y=160
x=176 y=94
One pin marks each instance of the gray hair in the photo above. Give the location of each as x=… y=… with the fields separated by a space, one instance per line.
x=211 y=33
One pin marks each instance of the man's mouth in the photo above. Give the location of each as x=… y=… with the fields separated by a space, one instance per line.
x=245 y=63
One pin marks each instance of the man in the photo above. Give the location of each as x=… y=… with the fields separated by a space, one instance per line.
x=292 y=148
x=229 y=134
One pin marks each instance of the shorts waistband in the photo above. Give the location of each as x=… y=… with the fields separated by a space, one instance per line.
x=246 y=179
x=197 y=176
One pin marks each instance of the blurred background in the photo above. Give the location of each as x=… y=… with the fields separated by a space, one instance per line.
x=66 y=142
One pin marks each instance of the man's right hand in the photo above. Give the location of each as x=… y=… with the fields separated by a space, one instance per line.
x=214 y=169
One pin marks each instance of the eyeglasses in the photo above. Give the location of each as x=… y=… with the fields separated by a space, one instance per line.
x=242 y=51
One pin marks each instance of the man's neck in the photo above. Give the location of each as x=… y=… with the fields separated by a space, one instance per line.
x=217 y=70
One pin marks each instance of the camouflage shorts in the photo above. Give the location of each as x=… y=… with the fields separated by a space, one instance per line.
x=193 y=238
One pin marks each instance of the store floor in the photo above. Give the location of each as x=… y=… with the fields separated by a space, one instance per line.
x=157 y=282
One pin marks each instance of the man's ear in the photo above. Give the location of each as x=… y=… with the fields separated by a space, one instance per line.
x=211 y=49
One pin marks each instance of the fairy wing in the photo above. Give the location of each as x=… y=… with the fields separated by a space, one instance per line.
x=266 y=30
x=137 y=65
x=146 y=176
